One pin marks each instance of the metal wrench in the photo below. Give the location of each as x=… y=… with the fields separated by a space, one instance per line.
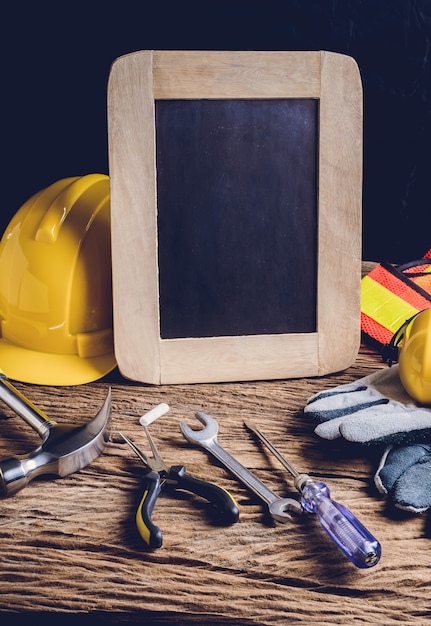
x=281 y=509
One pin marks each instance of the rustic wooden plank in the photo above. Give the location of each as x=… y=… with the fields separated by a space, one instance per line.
x=70 y=547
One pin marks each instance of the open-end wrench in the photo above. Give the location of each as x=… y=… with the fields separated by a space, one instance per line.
x=281 y=509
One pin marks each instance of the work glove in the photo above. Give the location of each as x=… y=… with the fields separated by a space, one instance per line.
x=374 y=410
x=404 y=474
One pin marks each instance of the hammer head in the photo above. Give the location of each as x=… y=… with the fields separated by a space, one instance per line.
x=66 y=449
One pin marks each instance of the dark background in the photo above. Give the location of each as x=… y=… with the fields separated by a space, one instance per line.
x=56 y=61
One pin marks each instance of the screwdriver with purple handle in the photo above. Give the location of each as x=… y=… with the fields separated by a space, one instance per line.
x=347 y=532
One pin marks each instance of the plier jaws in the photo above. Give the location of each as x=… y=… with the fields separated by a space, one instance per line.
x=156 y=475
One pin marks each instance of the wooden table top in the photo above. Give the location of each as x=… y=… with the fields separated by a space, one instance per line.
x=70 y=546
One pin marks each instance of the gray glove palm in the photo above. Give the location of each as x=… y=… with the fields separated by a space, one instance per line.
x=373 y=410
x=404 y=474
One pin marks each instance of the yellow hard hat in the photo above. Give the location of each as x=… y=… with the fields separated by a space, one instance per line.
x=56 y=286
x=414 y=359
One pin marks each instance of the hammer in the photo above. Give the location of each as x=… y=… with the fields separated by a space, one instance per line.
x=65 y=448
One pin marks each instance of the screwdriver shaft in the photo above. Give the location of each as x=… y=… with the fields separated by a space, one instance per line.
x=290 y=468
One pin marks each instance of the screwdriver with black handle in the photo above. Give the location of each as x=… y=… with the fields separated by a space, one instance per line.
x=347 y=532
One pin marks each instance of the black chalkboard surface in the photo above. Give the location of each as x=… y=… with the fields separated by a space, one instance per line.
x=226 y=262
x=236 y=181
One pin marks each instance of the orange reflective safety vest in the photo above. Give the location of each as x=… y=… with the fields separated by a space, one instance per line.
x=392 y=294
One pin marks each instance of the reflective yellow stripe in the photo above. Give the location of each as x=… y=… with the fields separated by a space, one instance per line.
x=383 y=305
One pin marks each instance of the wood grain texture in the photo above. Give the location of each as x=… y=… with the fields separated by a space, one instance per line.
x=70 y=549
x=340 y=211
x=239 y=74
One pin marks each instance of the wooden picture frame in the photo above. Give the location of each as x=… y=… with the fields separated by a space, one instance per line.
x=137 y=83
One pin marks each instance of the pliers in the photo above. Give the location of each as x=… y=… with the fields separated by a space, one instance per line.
x=156 y=475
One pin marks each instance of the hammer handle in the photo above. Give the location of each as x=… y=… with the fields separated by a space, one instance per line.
x=23 y=407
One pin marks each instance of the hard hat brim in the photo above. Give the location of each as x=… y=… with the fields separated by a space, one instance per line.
x=43 y=368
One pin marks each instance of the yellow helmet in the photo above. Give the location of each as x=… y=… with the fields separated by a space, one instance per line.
x=414 y=359
x=55 y=285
